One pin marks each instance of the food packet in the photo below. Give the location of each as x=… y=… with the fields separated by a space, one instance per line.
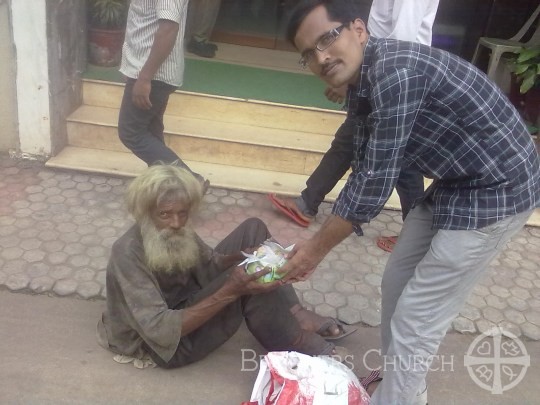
x=268 y=254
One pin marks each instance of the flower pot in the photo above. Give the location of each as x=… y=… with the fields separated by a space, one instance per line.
x=105 y=46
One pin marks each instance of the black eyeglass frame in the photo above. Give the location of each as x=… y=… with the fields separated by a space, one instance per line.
x=331 y=36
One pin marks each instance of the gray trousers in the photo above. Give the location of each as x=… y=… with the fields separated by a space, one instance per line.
x=267 y=316
x=202 y=16
x=426 y=282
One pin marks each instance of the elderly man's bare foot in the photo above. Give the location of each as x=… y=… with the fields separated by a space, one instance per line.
x=329 y=328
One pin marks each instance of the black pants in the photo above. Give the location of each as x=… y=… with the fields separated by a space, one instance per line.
x=335 y=163
x=142 y=130
x=267 y=316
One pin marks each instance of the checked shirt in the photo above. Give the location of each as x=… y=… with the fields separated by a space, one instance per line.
x=434 y=112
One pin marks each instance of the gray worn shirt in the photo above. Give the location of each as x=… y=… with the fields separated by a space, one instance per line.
x=144 y=306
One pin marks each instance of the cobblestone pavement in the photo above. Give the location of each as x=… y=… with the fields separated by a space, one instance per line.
x=57 y=227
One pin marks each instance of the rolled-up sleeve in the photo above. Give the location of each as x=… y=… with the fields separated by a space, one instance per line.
x=173 y=10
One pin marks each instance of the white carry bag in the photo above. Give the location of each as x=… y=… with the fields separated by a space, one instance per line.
x=291 y=378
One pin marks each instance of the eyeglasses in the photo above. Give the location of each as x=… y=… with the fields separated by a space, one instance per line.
x=308 y=56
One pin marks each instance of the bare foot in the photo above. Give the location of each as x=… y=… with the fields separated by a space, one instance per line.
x=312 y=322
x=387 y=243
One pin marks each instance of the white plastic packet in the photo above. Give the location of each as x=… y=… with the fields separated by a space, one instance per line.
x=287 y=378
x=269 y=254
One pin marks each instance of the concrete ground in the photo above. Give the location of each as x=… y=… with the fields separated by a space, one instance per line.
x=50 y=356
x=56 y=230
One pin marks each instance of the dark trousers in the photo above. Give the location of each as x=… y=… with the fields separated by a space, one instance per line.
x=335 y=163
x=142 y=130
x=267 y=316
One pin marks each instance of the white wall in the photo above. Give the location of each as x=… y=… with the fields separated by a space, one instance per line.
x=32 y=78
x=8 y=100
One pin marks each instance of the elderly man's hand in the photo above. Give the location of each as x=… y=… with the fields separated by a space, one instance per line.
x=240 y=283
x=303 y=260
x=225 y=261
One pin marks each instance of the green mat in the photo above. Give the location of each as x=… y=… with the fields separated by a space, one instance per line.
x=244 y=82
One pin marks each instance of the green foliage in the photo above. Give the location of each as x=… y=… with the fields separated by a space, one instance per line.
x=108 y=14
x=526 y=67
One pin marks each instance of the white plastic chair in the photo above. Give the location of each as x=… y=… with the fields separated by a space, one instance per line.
x=500 y=46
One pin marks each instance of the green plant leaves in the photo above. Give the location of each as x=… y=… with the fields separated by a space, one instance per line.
x=526 y=67
x=110 y=14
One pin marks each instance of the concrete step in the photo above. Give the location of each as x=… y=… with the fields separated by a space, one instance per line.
x=208 y=141
x=238 y=144
x=224 y=176
x=227 y=109
x=230 y=177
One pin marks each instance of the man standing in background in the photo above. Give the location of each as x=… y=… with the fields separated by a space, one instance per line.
x=153 y=62
x=202 y=16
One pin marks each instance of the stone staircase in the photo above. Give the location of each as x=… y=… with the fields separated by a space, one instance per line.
x=237 y=144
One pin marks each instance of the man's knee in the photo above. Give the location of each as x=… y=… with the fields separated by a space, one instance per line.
x=125 y=133
x=255 y=223
x=256 y=228
x=125 y=139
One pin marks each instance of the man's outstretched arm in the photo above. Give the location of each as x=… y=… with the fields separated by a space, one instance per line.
x=306 y=256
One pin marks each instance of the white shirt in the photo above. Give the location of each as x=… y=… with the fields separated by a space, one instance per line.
x=406 y=20
x=142 y=24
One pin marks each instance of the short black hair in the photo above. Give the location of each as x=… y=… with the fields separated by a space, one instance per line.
x=342 y=11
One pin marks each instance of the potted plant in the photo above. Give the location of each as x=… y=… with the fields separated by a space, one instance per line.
x=525 y=65
x=106 y=30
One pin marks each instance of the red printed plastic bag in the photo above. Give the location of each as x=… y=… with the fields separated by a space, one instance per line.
x=291 y=378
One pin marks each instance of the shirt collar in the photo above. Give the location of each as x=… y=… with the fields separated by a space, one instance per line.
x=362 y=86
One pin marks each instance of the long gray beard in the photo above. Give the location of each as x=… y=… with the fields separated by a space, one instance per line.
x=169 y=251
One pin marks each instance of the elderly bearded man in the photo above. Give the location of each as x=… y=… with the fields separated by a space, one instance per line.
x=172 y=297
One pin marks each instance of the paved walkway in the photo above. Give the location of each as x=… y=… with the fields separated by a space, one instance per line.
x=50 y=356
x=57 y=227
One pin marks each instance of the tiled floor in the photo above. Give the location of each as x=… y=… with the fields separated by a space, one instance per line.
x=57 y=227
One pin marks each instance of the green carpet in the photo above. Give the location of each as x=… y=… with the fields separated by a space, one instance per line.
x=244 y=82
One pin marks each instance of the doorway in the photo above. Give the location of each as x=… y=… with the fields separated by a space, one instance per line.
x=257 y=23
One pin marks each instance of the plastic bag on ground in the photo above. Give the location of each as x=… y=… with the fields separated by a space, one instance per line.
x=291 y=378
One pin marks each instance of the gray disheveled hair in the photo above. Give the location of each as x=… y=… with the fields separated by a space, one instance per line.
x=161 y=182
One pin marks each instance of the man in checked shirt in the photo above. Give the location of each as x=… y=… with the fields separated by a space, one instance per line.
x=438 y=114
